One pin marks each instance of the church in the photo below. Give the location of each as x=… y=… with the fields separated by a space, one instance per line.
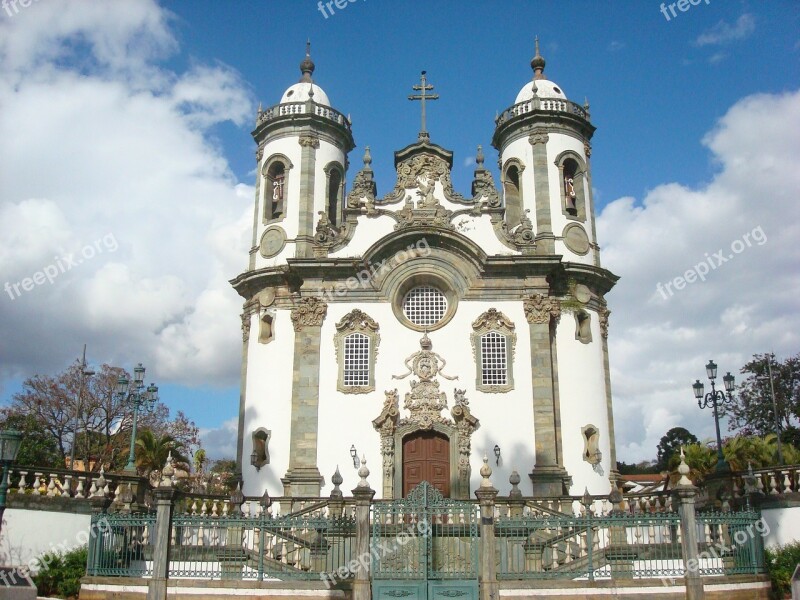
x=424 y=327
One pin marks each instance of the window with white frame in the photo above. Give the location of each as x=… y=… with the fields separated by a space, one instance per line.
x=493 y=339
x=356 y=360
x=424 y=305
x=356 y=342
x=494 y=365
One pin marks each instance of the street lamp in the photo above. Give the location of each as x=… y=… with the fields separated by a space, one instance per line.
x=139 y=397
x=774 y=406
x=86 y=372
x=10 y=441
x=715 y=398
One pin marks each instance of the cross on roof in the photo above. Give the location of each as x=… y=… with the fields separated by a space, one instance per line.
x=423 y=87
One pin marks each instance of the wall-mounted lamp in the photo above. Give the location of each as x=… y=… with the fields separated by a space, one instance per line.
x=497 y=454
x=354 y=456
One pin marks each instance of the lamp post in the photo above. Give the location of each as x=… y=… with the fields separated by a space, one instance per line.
x=10 y=441
x=139 y=397
x=86 y=372
x=774 y=407
x=715 y=398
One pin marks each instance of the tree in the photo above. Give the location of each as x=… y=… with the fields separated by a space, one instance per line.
x=102 y=433
x=670 y=444
x=38 y=446
x=752 y=410
x=152 y=451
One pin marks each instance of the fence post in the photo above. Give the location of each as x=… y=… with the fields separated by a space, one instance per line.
x=486 y=495
x=686 y=494
x=99 y=506
x=363 y=495
x=163 y=497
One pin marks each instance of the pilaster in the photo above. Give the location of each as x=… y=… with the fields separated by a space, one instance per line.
x=308 y=161
x=545 y=240
x=303 y=477
x=549 y=477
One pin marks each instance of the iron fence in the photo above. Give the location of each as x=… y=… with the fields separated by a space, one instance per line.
x=120 y=545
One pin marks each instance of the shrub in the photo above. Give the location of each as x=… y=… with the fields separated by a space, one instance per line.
x=781 y=563
x=61 y=574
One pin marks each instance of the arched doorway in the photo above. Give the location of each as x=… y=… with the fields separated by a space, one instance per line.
x=426 y=457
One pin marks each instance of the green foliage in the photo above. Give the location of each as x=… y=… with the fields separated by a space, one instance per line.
x=701 y=460
x=752 y=410
x=61 y=574
x=781 y=563
x=38 y=445
x=670 y=445
x=645 y=467
x=152 y=451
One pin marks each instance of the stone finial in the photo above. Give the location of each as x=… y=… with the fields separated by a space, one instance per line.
x=100 y=483
x=336 y=480
x=479 y=158
x=367 y=157
x=586 y=499
x=363 y=472
x=167 y=472
x=486 y=473
x=684 y=469
x=514 y=480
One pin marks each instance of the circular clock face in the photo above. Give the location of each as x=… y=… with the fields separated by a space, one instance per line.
x=272 y=242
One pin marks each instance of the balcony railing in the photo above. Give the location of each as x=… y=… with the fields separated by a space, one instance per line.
x=302 y=108
x=543 y=104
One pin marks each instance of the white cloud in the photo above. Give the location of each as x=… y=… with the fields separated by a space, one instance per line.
x=724 y=33
x=221 y=442
x=745 y=305
x=99 y=139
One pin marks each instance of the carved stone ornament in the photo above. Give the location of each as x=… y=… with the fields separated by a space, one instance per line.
x=492 y=319
x=250 y=308
x=356 y=320
x=424 y=404
x=521 y=235
x=587 y=149
x=308 y=141
x=538 y=137
x=602 y=316
x=309 y=312
x=483 y=188
x=541 y=309
x=259 y=153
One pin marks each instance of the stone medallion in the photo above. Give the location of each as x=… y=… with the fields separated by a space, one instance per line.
x=582 y=293
x=575 y=238
x=272 y=241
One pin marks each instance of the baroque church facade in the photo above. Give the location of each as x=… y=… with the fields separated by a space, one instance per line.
x=424 y=329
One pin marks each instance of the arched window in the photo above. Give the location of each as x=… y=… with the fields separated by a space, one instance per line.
x=335 y=193
x=356 y=342
x=512 y=193
x=493 y=340
x=572 y=172
x=276 y=174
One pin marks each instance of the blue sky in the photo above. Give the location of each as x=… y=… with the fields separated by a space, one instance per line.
x=134 y=121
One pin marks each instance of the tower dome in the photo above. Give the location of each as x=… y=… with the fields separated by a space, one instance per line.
x=306 y=89
x=541 y=86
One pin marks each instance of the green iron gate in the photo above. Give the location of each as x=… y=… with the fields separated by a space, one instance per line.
x=425 y=547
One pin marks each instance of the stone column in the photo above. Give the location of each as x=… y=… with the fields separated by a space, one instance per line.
x=308 y=160
x=487 y=495
x=686 y=493
x=545 y=240
x=303 y=477
x=548 y=475
x=163 y=497
x=613 y=475
x=363 y=495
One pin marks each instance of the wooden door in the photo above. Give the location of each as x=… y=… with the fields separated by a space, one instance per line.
x=426 y=457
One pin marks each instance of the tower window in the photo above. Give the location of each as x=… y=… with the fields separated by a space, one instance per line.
x=493 y=341
x=572 y=170
x=513 y=195
x=276 y=180
x=334 y=195
x=424 y=305
x=493 y=359
x=356 y=360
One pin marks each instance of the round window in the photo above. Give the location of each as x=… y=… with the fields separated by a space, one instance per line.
x=424 y=305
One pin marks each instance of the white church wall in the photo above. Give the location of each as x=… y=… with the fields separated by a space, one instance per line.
x=581 y=382
x=346 y=419
x=368 y=231
x=269 y=393
x=481 y=231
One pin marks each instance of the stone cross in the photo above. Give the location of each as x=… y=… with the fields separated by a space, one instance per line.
x=423 y=87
